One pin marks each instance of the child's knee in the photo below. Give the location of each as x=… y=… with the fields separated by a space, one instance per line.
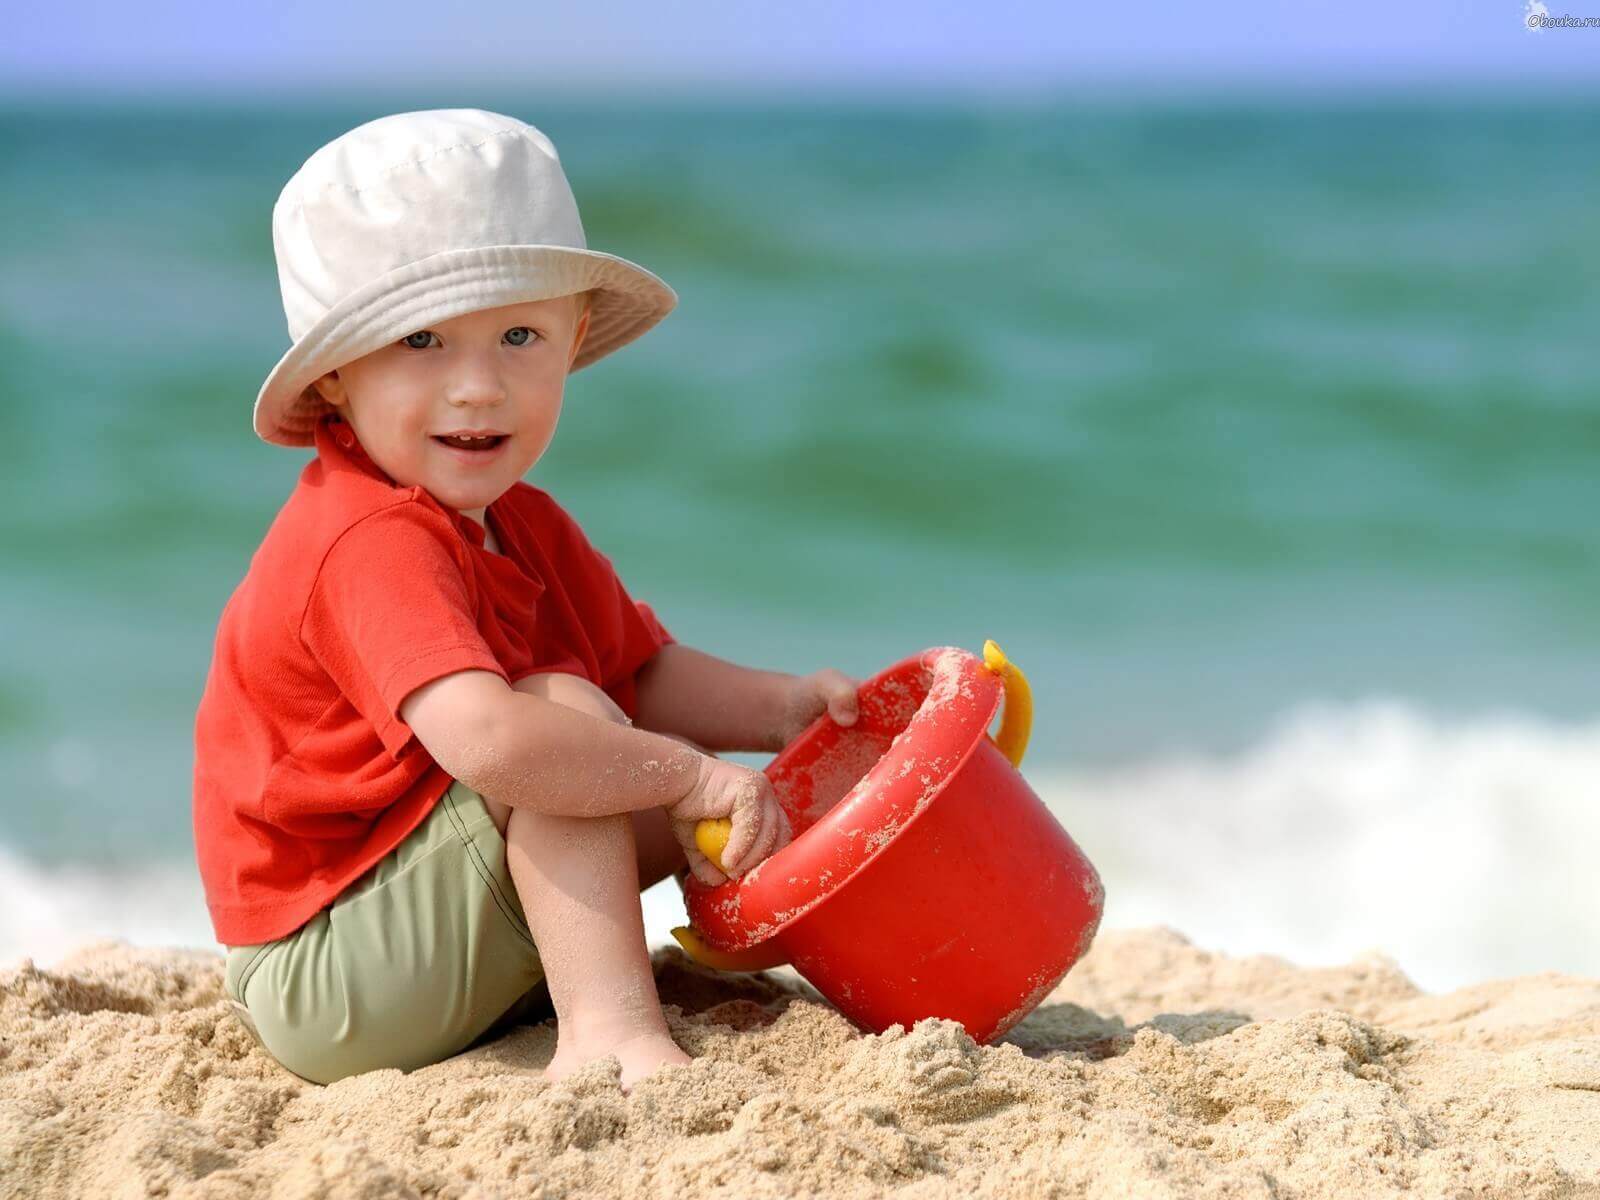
x=575 y=692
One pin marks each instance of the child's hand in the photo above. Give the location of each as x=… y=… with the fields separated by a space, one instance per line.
x=744 y=797
x=809 y=697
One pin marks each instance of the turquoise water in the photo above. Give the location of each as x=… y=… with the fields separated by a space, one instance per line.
x=1202 y=413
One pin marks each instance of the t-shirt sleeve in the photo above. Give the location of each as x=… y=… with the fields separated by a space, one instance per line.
x=626 y=633
x=390 y=610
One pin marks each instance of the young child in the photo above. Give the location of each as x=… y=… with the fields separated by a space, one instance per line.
x=440 y=748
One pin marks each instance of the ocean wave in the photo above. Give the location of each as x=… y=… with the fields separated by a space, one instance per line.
x=1463 y=849
x=45 y=911
x=48 y=911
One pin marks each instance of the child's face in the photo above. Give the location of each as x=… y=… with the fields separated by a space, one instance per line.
x=482 y=370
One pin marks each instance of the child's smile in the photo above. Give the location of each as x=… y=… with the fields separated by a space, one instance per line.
x=474 y=451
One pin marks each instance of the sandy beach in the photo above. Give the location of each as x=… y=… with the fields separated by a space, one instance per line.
x=1156 y=1069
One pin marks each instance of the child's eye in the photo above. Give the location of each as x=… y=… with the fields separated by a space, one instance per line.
x=520 y=335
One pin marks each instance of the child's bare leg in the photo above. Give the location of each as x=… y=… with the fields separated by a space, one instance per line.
x=579 y=886
x=578 y=879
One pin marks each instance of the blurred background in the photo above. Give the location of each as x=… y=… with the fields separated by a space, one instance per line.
x=1234 y=371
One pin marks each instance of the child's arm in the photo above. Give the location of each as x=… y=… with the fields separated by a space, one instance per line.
x=726 y=707
x=709 y=700
x=530 y=752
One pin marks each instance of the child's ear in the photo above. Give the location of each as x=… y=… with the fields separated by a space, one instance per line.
x=331 y=388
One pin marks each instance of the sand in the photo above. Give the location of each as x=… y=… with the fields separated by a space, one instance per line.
x=1156 y=1069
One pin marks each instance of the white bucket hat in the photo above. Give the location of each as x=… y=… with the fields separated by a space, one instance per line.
x=423 y=216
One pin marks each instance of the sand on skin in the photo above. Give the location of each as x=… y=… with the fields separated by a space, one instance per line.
x=1155 y=1069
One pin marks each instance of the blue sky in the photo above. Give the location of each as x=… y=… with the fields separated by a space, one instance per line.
x=865 y=45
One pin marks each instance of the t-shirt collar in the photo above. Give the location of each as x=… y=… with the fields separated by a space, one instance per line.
x=337 y=442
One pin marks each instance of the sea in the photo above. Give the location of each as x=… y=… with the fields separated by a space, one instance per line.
x=1262 y=433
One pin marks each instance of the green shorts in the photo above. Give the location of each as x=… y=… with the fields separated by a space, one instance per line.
x=424 y=956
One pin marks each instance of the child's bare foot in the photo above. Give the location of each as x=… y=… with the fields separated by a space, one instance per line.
x=641 y=1052
x=647 y=1054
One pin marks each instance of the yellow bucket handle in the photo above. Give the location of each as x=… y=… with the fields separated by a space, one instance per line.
x=1016 y=719
x=711 y=836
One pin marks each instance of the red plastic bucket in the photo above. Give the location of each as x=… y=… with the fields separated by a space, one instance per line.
x=925 y=878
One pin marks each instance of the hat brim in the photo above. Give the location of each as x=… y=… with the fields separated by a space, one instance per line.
x=627 y=301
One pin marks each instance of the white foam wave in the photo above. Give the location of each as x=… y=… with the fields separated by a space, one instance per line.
x=1464 y=849
x=47 y=912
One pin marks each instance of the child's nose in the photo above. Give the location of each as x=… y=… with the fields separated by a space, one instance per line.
x=477 y=392
x=476 y=383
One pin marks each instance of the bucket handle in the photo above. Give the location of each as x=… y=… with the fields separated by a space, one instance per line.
x=1016 y=719
x=758 y=958
x=711 y=836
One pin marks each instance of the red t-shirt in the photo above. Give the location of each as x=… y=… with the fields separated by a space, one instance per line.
x=362 y=591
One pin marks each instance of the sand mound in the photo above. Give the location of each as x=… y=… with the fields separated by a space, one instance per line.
x=1156 y=1069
